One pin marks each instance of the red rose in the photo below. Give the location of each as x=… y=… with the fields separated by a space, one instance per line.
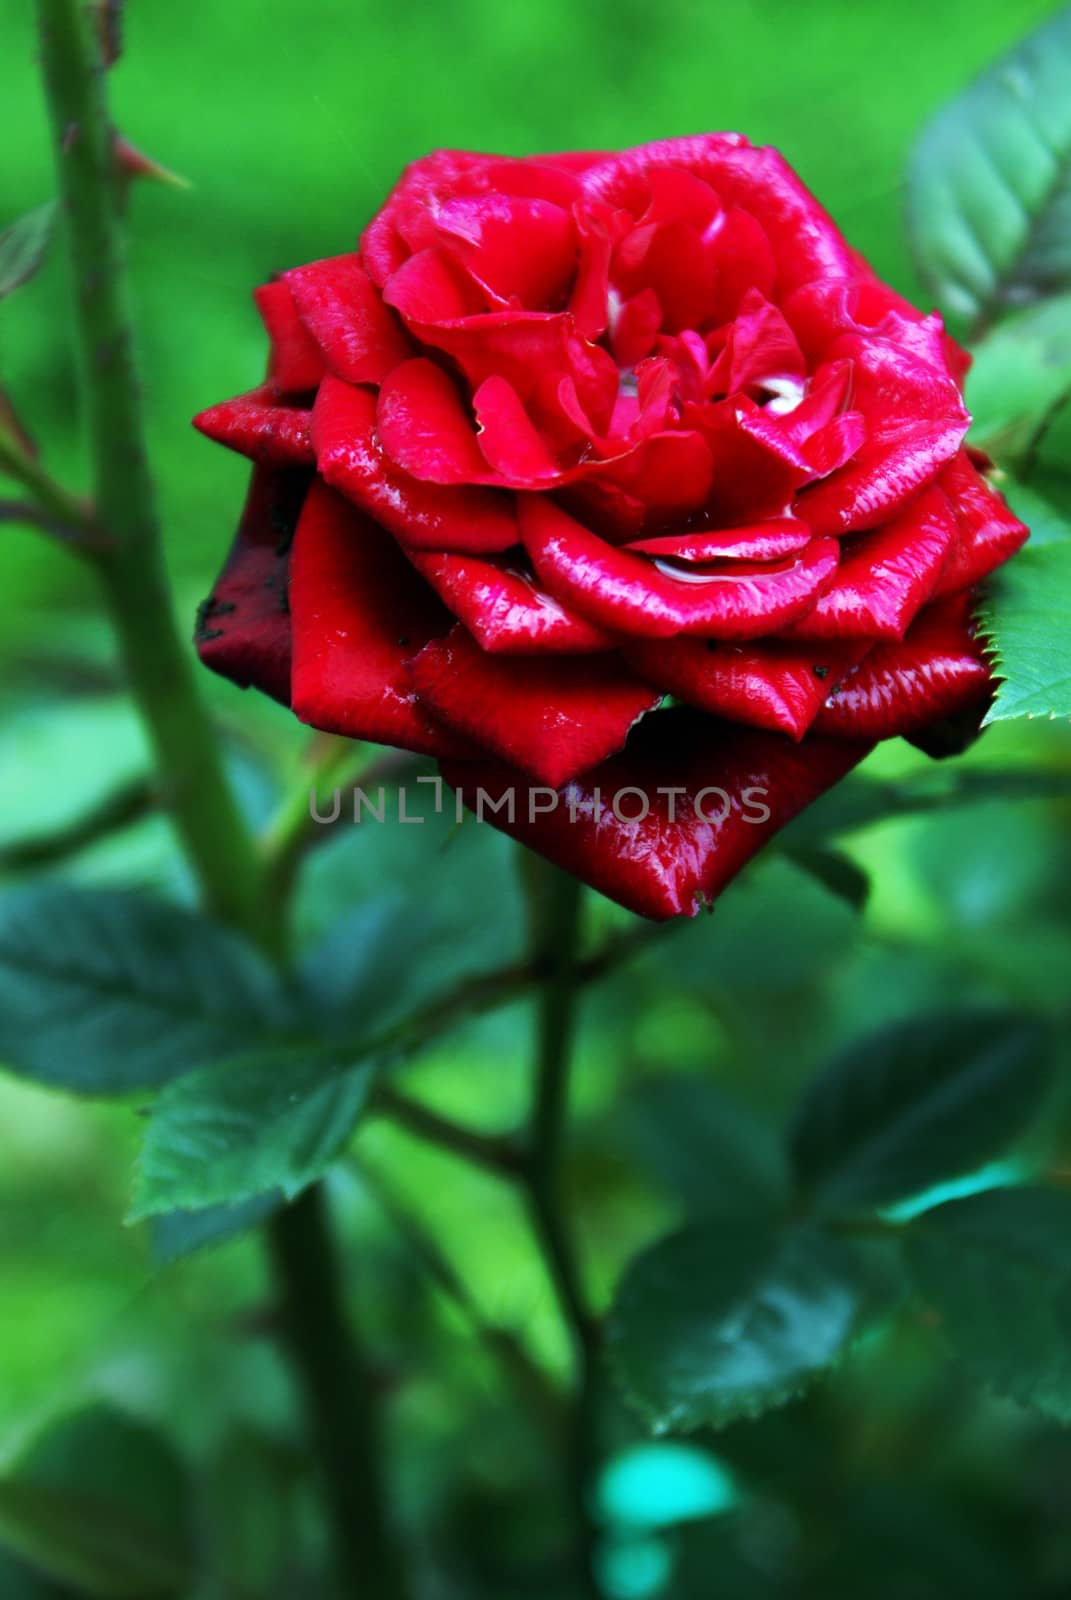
x=576 y=433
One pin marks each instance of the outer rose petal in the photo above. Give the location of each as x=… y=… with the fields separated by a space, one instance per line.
x=424 y=516
x=296 y=363
x=359 y=612
x=936 y=671
x=988 y=531
x=915 y=421
x=361 y=338
x=553 y=718
x=671 y=861
x=768 y=683
x=243 y=628
x=884 y=576
x=256 y=426
x=628 y=594
x=505 y=610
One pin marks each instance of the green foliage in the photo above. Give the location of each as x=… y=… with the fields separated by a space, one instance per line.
x=703 y=1145
x=103 y=992
x=176 y=1234
x=232 y=1131
x=915 y=1105
x=989 y=183
x=995 y=1272
x=728 y=1317
x=1021 y=375
x=1026 y=617
x=23 y=245
x=101 y=1501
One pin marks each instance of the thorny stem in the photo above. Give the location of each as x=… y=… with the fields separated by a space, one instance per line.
x=187 y=753
x=191 y=776
x=555 y=901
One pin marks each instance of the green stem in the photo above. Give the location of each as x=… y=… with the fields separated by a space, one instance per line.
x=159 y=670
x=555 y=901
x=192 y=780
x=338 y=1397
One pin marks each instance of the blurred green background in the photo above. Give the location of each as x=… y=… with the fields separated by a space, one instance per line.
x=894 y=1479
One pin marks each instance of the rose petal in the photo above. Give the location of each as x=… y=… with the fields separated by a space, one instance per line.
x=935 y=671
x=521 y=247
x=884 y=576
x=243 y=628
x=505 y=610
x=360 y=337
x=759 y=541
x=552 y=718
x=915 y=423
x=509 y=441
x=359 y=611
x=988 y=531
x=296 y=362
x=768 y=683
x=424 y=516
x=255 y=425
x=748 y=784
x=424 y=427
x=627 y=593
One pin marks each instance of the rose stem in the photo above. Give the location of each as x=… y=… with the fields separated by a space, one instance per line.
x=188 y=758
x=555 y=901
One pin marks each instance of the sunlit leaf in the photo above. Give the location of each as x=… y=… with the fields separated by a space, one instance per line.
x=989 y=183
x=1026 y=617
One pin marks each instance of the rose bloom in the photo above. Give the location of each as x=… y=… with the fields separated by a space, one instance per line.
x=597 y=472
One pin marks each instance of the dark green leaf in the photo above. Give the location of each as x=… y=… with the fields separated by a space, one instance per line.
x=179 y=1233
x=989 y=183
x=233 y=1131
x=995 y=1270
x=101 y=1501
x=413 y=935
x=916 y=1104
x=1021 y=374
x=728 y=1318
x=836 y=872
x=18 y=1581
x=23 y=246
x=103 y=992
x=704 y=1145
x=1026 y=617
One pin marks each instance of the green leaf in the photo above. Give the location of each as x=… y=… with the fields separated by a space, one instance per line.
x=176 y=1234
x=103 y=992
x=23 y=245
x=730 y=1317
x=995 y=1271
x=102 y=1502
x=702 y=1144
x=989 y=183
x=18 y=1581
x=835 y=871
x=916 y=1104
x=1020 y=376
x=1026 y=617
x=235 y=1130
